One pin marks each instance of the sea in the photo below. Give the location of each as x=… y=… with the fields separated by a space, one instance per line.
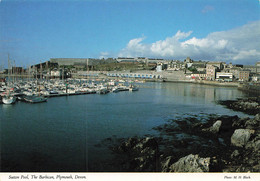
x=66 y=134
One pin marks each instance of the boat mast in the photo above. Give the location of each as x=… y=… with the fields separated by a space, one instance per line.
x=47 y=70
x=14 y=72
x=8 y=82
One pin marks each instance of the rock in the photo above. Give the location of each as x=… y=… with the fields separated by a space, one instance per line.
x=214 y=128
x=240 y=137
x=240 y=123
x=165 y=165
x=249 y=106
x=257 y=117
x=191 y=163
x=254 y=144
x=234 y=154
x=253 y=123
x=140 y=154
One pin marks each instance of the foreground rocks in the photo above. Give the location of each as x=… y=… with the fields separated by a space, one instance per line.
x=191 y=163
x=140 y=154
x=240 y=137
x=249 y=105
x=214 y=128
x=220 y=144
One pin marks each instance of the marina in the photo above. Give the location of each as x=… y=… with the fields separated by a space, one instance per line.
x=36 y=91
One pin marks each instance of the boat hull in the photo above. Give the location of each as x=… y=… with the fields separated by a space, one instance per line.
x=9 y=100
x=33 y=99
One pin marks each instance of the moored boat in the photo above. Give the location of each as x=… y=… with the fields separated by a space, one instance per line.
x=133 y=88
x=8 y=99
x=35 y=99
x=103 y=91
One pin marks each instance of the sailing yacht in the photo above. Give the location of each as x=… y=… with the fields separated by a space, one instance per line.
x=8 y=98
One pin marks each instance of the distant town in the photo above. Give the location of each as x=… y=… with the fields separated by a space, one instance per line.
x=139 y=67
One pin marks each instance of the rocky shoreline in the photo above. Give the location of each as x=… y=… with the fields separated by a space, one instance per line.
x=215 y=144
x=249 y=105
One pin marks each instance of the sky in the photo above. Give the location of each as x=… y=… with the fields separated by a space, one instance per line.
x=33 y=31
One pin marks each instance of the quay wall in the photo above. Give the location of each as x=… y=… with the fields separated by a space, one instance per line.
x=217 y=83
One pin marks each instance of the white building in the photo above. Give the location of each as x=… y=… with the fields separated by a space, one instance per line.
x=55 y=73
x=224 y=76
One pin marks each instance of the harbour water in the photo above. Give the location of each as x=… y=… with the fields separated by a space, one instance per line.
x=63 y=133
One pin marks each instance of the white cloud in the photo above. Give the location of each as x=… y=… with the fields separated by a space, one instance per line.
x=239 y=45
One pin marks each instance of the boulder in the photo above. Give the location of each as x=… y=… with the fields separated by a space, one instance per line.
x=214 y=128
x=191 y=163
x=240 y=137
x=165 y=165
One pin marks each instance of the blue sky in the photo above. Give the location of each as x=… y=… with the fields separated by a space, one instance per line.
x=222 y=30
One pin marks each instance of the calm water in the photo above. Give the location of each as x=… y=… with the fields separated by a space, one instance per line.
x=61 y=135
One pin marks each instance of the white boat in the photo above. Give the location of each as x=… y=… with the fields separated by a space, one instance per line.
x=115 y=89
x=9 y=99
x=102 y=91
x=133 y=88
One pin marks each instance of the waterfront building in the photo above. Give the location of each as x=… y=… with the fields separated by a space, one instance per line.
x=234 y=70
x=251 y=68
x=224 y=76
x=141 y=60
x=211 y=72
x=55 y=73
x=159 y=67
x=244 y=75
x=142 y=75
x=125 y=59
x=257 y=64
x=219 y=65
x=198 y=75
x=80 y=63
x=18 y=70
x=199 y=66
x=176 y=65
x=256 y=77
